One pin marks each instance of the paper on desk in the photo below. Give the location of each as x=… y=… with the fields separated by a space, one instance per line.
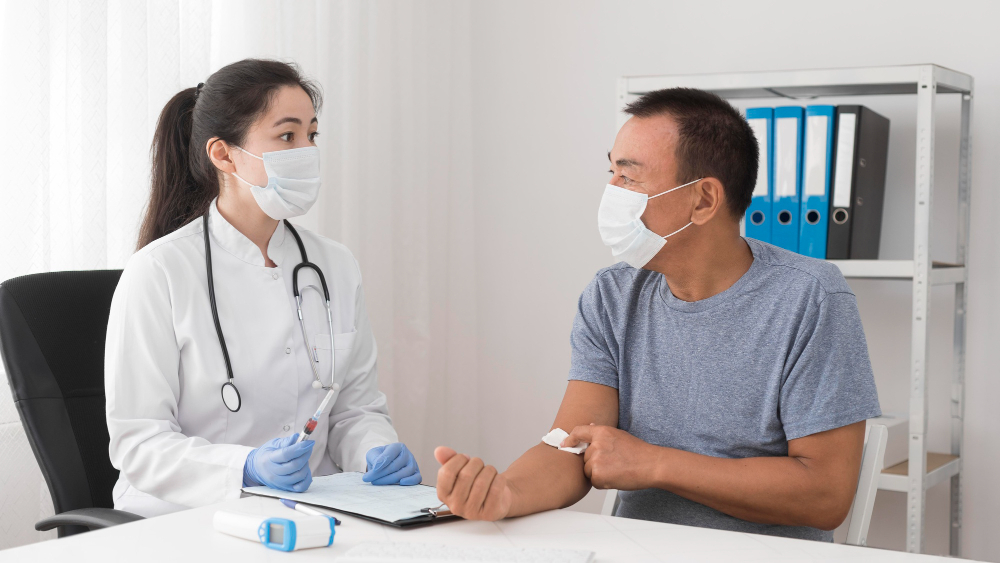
x=348 y=493
x=557 y=435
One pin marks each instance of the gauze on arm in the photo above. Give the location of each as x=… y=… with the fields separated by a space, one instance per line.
x=557 y=435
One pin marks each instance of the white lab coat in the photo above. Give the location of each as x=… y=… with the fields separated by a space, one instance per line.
x=172 y=438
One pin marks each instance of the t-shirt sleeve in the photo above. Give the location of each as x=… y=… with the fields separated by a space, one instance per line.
x=829 y=383
x=594 y=351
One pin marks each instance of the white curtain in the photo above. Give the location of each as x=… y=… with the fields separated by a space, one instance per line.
x=84 y=81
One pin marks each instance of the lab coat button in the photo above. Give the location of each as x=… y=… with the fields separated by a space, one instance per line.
x=288 y=350
x=275 y=276
x=286 y=428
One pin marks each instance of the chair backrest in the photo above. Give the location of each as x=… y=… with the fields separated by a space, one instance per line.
x=610 y=503
x=860 y=516
x=52 y=331
x=872 y=463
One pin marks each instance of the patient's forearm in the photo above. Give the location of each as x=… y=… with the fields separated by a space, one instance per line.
x=545 y=478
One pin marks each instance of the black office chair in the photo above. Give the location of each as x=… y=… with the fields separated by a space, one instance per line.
x=52 y=330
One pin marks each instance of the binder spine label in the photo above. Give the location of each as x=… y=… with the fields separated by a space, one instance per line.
x=759 y=217
x=844 y=174
x=816 y=181
x=786 y=203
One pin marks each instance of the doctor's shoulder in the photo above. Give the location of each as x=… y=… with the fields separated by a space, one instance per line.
x=149 y=264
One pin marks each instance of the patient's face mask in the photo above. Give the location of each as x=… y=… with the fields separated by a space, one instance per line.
x=292 y=182
x=622 y=229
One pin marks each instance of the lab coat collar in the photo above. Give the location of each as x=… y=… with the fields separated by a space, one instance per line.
x=237 y=244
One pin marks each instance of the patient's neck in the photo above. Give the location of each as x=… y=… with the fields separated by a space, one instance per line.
x=703 y=261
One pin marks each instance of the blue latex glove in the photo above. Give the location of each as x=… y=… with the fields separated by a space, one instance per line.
x=391 y=465
x=280 y=464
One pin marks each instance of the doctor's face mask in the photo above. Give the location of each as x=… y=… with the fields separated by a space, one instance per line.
x=292 y=182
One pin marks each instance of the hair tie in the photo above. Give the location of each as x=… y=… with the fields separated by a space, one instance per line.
x=197 y=89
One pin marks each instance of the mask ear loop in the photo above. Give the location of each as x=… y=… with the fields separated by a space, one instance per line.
x=244 y=151
x=670 y=190
x=262 y=158
x=678 y=230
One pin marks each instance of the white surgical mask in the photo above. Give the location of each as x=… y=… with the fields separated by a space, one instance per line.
x=292 y=182
x=621 y=226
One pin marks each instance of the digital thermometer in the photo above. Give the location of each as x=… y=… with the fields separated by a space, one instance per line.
x=277 y=533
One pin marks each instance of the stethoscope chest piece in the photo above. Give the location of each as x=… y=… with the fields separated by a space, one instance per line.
x=231 y=396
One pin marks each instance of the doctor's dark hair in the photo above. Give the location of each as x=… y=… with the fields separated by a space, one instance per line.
x=715 y=141
x=184 y=181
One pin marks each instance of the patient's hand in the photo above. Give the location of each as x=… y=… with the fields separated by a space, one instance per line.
x=470 y=488
x=615 y=459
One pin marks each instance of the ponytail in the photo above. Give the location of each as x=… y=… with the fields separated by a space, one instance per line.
x=184 y=181
x=175 y=197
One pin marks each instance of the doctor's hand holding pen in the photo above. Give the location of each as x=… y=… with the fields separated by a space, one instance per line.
x=282 y=463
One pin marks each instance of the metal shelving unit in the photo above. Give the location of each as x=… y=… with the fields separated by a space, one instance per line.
x=923 y=470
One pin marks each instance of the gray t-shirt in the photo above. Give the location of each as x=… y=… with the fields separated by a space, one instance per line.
x=779 y=355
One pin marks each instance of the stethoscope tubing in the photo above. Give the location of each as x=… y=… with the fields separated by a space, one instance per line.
x=305 y=263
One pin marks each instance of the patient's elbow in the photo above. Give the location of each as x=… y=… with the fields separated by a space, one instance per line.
x=830 y=512
x=831 y=521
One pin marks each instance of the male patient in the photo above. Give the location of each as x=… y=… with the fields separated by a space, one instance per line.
x=719 y=381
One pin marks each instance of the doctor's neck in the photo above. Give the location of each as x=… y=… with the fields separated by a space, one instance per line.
x=246 y=216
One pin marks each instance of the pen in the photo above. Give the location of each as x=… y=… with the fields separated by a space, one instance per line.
x=312 y=422
x=306 y=510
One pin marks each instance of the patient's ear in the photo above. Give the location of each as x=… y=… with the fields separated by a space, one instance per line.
x=710 y=199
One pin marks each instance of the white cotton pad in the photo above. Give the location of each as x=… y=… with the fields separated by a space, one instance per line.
x=557 y=435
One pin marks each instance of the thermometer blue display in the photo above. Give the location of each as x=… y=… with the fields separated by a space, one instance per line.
x=281 y=534
x=277 y=533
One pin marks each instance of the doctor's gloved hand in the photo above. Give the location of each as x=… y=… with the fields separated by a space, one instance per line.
x=280 y=464
x=391 y=465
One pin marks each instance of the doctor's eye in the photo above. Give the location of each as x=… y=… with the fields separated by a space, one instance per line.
x=287 y=137
x=313 y=135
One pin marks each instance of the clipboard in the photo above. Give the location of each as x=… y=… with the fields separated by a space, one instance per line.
x=393 y=505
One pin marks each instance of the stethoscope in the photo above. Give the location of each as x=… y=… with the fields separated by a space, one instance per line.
x=230 y=394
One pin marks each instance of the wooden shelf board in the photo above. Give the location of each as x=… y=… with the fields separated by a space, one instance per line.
x=934 y=461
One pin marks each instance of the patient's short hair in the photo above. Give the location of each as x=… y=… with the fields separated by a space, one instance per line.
x=715 y=140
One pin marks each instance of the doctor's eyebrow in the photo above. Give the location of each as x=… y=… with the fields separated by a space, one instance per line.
x=294 y=120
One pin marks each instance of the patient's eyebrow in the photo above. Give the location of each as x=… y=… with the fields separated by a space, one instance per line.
x=628 y=163
x=625 y=162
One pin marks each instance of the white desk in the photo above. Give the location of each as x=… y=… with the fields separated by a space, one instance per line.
x=188 y=537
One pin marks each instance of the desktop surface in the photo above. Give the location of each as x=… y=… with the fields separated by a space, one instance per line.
x=189 y=536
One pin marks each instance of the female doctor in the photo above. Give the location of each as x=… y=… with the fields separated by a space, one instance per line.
x=210 y=374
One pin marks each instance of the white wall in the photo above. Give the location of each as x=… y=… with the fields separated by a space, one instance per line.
x=544 y=76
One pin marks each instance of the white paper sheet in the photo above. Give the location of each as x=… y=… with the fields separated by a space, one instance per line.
x=348 y=493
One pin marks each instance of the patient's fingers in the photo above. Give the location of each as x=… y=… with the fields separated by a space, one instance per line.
x=443 y=453
x=448 y=474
